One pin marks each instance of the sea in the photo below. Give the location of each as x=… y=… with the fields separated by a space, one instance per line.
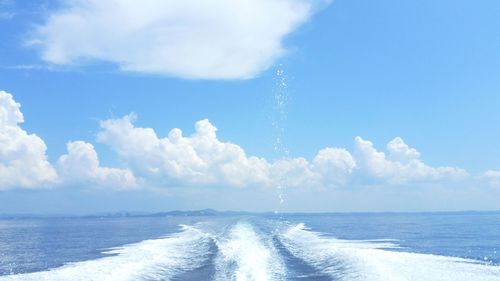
x=461 y=246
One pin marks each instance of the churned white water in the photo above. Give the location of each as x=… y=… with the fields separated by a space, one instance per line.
x=252 y=250
x=155 y=259
x=247 y=256
x=372 y=260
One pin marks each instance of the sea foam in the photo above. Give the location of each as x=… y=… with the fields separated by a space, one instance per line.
x=374 y=261
x=245 y=255
x=155 y=259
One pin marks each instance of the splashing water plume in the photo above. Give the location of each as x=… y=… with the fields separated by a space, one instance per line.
x=280 y=103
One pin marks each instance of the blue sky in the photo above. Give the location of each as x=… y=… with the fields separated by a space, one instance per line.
x=424 y=71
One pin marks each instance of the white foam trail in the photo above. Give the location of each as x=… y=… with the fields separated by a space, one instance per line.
x=356 y=261
x=156 y=259
x=244 y=256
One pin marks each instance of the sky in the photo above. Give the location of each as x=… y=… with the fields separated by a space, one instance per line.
x=256 y=105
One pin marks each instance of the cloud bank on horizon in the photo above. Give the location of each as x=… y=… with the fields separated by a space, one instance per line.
x=202 y=160
x=215 y=39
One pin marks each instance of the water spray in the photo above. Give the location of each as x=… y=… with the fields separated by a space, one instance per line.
x=280 y=103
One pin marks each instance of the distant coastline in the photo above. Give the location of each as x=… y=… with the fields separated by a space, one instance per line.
x=212 y=212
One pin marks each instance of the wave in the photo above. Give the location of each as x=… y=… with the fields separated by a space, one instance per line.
x=155 y=259
x=374 y=261
x=246 y=256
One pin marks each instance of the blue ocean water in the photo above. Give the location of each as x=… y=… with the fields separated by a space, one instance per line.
x=372 y=246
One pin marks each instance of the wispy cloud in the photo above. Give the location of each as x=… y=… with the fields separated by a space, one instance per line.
x=5 y=15
x=29 y=67
x=7 y=10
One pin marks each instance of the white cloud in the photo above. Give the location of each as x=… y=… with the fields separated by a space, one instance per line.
x=401 y=152
x=294 y=172
x=81 y=167
x=402 y=166
x=200 y=159
x=207 y=39
x=492 y=177
x=24 y=164
x=23 y=161
x=334 y=164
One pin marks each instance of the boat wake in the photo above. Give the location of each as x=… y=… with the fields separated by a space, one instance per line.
x=156 y=259
x=245 y=255
x=374 y=261
x=245 y=251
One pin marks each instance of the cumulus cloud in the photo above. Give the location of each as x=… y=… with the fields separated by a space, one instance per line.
x=334 y=164
x=207 y=39
x=200 y=160
x=81 y=167
x=403 y=164
x=401 y=152
x=23 y=159
x=294 y=172
x=24 y=163
x=203 y=159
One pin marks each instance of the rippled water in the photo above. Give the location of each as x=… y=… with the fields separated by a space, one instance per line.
x=441 y=246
